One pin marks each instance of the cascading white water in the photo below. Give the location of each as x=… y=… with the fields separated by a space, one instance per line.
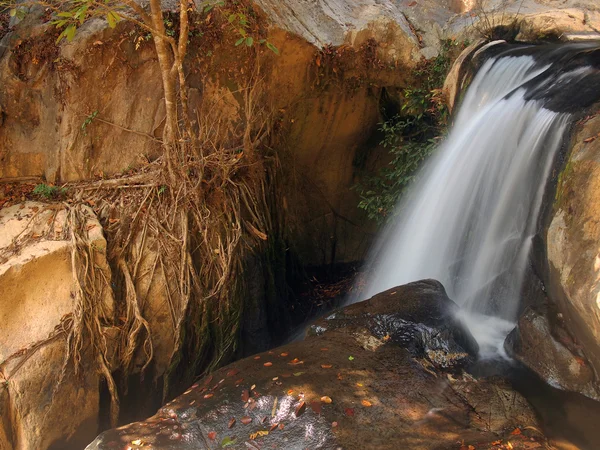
x=470 y=216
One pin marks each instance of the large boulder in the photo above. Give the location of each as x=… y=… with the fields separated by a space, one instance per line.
x=573 y=240
x=548 y=350
x=43 y=403
x=356 y=382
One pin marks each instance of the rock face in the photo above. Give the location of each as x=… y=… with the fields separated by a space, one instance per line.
x=533 y=343
x=572 y=240
x=36 y=308
x=361 y=380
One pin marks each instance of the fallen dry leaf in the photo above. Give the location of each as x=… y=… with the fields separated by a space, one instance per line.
x=268 y=364
x=233 y=372
x=212 y=435
x=273 y=427
x=326 y=399
x=257 y=357
x=516 y=431
x=349 y=412
x=316 y=406
x=284 y=354
x=245 y=395
x=231 y=422
x=208 y=395
x=366 y=403
x=326 y=366
x=334 y=424
x=246 y=420
x=259 y=433
x=300 y=409
x=295 y=362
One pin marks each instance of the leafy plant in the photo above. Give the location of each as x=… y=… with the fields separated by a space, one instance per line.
x=49 y=192
x=410 y=137
x=88 y=120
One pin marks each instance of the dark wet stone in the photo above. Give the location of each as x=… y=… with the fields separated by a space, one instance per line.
x=361 y=383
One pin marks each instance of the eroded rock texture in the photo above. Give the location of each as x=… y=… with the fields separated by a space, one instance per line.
x=355 y=383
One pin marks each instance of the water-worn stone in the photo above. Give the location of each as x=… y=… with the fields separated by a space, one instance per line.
x=573 y=240
x=351 y=385
x=37 y=286
x=532 y=342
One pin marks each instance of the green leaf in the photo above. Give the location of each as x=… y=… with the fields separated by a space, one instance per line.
x=13 y=12
x=226 y=442
x=232 y=18
x=239 y=41
x=249 y=41
x=112 y=19
x=351 y=358
x=71 y=29
x=272 y=48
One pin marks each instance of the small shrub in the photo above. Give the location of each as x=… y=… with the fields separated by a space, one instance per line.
x=410 y=136
x=49 y=192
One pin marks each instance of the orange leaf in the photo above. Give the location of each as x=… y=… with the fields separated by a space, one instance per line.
x=326 y=366
x=231 y=422
x=245 y=395
x=366 y=403
x=212 y=435
x=316 y=406
x=281 y=426
x=257 y=357
x=516 y=432
x=268 y=364
x=284 y=354
x=208 y=395
x=326 y=399
x=324 y=349
x=300 y=409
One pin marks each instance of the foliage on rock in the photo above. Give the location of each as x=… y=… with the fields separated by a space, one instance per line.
x=410 y=136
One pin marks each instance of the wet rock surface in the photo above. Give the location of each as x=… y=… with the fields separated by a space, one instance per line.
x=355 y=383
x=552 y=357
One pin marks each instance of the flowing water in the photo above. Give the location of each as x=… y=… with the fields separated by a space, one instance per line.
x=469 y=218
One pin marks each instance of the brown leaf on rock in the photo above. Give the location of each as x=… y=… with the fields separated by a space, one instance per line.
x=257 y=357
x=246 y=420
x=324 y=349
x=233 y=372
x=273 y=427
x=231 y=422
x=295 y=362
x=245 y=395
x=268 y=364
x=284 y=354
x=281 y=426
x=326 y=366
x=300 y=409
x=349 y=412
x=316 y=406
x=516 y=431
x=212 y=435
x=208 y=396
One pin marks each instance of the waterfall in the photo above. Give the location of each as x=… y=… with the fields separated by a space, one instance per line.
x=469 y=218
